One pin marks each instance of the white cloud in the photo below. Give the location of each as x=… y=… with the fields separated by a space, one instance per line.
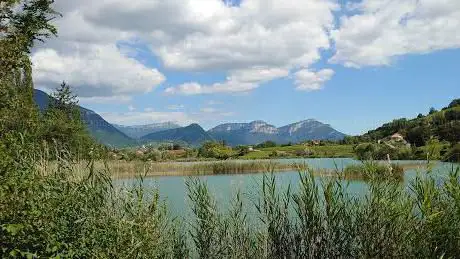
x=148 y=116
x=131 y=108
x=209 y=34
x=245 y=41
x=385 y=29
x=253 y=43
x=238 y=81
x=94 y=71
x=307 y=80
x=104 y=99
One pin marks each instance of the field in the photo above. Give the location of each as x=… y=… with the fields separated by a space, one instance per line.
x=332 y=151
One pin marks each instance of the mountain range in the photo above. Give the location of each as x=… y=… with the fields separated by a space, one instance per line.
x=260 y=131
x=232 y=133
x=193 y=135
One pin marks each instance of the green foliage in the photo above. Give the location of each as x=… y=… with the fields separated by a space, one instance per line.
x=453 y=154
x=242 y=150
x=370 y=170
x=79 y=214
x=215 y=150
x=374 y=151
x=62 y=124
x=266 y=144
x=23 y=23
x=444 y=124
x=454 y=103
x=432 y=111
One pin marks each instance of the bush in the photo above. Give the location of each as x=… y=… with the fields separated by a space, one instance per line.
x=453 y=154
x=215 y=150
x=266 y=144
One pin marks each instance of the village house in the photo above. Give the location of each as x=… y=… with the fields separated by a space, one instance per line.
x=397 y=137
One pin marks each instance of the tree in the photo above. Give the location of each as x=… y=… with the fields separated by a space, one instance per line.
x=432 y=110
x=454 y=103
x=365 y=151
x=242 y=150
x=419 y=116
x=214 y=150
x=22 y=22
x=62 y=123
x=266 y=144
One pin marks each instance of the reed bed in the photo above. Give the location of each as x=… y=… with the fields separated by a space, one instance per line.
x=374 y=170
x=65 y=213
x=130 y=169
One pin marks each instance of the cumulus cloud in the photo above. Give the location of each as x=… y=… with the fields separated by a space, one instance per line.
x=149 y=115
x=253 y=42
x=94 y=71
x=307 y=80
x=385 y=29
x=238 y=81
x=245 y=40
x=146 y=117
x=210 y=34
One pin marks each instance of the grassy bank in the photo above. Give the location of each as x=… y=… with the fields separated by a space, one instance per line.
x=79 y=214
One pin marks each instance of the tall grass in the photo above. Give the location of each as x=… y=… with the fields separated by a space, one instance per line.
x=67 y=214
x=125 y=169
x=369 y=170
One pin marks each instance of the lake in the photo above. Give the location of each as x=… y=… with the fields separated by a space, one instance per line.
x=224 y=187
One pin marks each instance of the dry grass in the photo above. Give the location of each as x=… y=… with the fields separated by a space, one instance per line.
x=124 y=169
x=120 y=169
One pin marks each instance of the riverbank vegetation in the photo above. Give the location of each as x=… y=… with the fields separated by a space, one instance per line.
x=374 y=170
x=64 y=214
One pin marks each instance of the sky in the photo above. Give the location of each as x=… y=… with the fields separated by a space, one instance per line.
x=351 y=64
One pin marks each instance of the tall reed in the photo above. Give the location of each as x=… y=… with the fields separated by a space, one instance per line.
x=64 y=213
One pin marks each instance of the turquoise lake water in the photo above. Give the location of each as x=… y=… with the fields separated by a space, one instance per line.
x=173 y=190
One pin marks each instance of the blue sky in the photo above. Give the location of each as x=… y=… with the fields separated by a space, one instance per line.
x=354 y=65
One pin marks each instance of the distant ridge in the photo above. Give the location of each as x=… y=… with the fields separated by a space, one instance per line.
x=100 y=129
x=138 y=131
x=193 y=134
x=232 y=133
x=258 y=131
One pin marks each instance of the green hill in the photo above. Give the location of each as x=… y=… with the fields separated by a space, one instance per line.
x=443 y=124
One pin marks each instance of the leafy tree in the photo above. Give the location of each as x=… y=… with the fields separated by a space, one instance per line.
x=214 y=150
x=22 y=23
x=242 y=150
x=453 y=114
x=419 y=116
x=433 y=147
x=454 y=103
x=365 y=151
x=432 y=110
x=266 y=144
x=62 y=122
